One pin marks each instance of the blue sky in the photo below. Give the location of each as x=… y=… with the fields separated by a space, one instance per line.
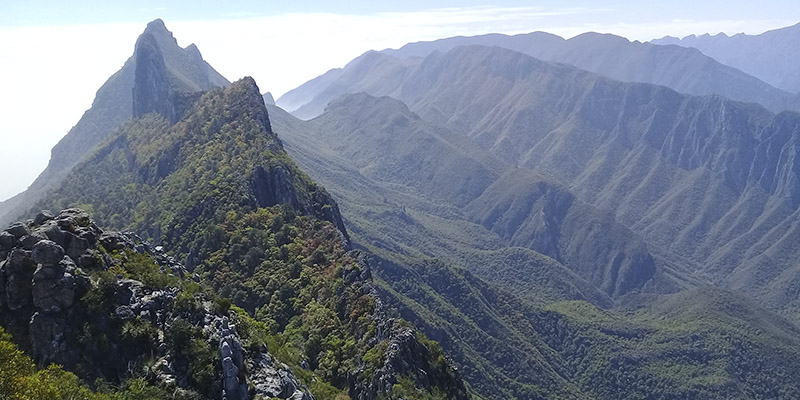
x=54 y=55
x=55 y=12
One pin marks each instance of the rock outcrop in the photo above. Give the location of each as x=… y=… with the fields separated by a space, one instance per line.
x=42 y=291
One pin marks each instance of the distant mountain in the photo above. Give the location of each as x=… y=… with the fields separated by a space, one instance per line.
x=680 y=69
x=707 y=182
x=387 y=142
x=684 y=70
x=387 y=167
x=771 y=56
x=693 y=175
x=371 y=73
x=268 y=99
x=183 y=71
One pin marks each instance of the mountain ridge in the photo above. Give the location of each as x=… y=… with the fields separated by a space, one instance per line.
x=770 y=56
x=683 y=69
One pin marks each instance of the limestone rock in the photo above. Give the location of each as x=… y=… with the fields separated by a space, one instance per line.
x=18 y=230
x=73 y=218
x=28 y=241
x=53 y=294
x=42 y=217
x=48 y=343
x=47 y=252
x=19 y=269
x=7 y=241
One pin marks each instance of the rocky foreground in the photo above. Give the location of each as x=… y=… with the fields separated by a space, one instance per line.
x=44 y=282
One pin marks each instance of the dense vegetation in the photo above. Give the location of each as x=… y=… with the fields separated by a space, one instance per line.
x=21 y=380
x=267 y=240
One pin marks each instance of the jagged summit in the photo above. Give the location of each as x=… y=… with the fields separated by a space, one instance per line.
x=165 y=70
x=157 y=25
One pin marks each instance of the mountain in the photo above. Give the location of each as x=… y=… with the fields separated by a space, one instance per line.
x=371 y=73
x=682 y=69
x=387 y=142
x=268 y=99
x=504 y=318
x=204 y=176
x=770 y=56
x=217 y=189
x=183 y=71
x=687 y=176
x=693 y=175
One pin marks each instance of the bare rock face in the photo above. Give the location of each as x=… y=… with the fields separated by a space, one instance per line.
x=274 y=186
x=266 y=377
x=39 y=279
x=151 y=89
x=18 y=271
x=18 y=230
x=47 y=337
x=47 y=253
x=53 y=294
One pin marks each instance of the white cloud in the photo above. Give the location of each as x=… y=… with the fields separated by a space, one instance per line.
x=52 y=73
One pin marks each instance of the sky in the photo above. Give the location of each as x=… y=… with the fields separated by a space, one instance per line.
x=55 y=54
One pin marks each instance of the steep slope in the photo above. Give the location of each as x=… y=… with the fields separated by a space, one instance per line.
x=385 y=141
x=183 y=70
x=531 y=212
x=405 y=221
x=219 y=191
x=682 y=69
x=504 y=347
x=771 y=56
x=693 y=175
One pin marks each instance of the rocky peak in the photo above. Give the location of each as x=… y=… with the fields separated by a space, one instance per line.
x=157 y=26
x=151 y=88
x=268 y=99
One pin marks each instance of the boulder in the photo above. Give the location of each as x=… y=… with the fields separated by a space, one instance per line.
x=7 y=241
x=28 y=241
x=47 y=252
x=124 y=313
x=54 y=294
x=73 y=218
x=18 y=230
x=42 y=217
x=128 y=290
x=74 y=245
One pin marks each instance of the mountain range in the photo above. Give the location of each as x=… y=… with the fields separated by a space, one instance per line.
x=685 y=70
x=770 y=56
x=552 y=158
x=475 y=217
